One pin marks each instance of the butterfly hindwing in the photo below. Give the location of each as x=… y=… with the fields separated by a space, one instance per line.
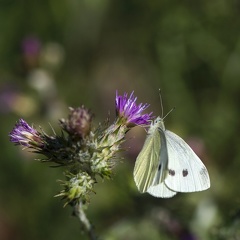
x=146 y=165
x=186 y=172
x=159 y=188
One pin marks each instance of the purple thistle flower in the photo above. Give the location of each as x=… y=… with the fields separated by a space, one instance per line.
x=127 y=108
x=23 y=134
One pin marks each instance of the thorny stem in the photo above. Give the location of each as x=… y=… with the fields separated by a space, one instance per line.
x=79 y=212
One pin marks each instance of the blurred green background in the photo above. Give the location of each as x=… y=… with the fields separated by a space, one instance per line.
x=55 y=54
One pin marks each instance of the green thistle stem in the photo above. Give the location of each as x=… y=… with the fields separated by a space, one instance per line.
x=79 y=212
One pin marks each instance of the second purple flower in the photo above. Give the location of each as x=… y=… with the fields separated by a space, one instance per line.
x=127 y=109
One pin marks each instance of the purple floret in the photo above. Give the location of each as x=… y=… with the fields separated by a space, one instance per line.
x=22 y=133
x=126 y=107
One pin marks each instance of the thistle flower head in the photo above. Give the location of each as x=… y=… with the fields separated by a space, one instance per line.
x=127 y=109
x=85 y=152
x=23 y=134
x=78 y=123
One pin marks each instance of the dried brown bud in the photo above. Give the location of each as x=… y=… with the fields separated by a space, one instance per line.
x=78 y=123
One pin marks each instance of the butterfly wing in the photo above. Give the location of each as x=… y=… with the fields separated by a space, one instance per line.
x=147 y=162
x=151 y=164
x=159 y=188
x=186 y=172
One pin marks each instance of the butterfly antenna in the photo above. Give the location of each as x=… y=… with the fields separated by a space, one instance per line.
x=161 y=102
x=169 y=112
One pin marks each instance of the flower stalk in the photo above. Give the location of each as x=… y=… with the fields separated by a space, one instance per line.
x=80 y=213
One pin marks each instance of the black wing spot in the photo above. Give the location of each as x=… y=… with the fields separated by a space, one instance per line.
x=159 y=167
x=185 y=172
x=171 y=172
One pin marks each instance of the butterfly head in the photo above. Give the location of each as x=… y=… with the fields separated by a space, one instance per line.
x=157 y=123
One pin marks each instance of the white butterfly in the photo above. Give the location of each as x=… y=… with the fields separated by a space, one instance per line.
x=167 y=165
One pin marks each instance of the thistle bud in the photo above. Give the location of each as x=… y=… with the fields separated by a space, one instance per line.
x=77 y=187
x=78 y=123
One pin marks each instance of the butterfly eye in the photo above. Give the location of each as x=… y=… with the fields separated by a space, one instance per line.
x=157 y=120
x=185 y=172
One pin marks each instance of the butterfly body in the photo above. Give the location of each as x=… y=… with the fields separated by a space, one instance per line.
x=167 y=165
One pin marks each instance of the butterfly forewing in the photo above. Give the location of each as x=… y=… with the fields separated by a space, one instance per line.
x=186 y=172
